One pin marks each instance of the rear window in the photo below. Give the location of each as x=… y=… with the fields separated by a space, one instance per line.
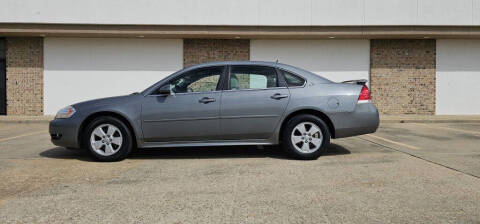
x=293 y=80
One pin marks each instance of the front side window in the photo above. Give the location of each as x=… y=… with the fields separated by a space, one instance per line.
x=293 y=80
x=198 y=80
x=252 y=77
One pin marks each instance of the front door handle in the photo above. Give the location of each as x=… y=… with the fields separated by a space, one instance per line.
x=206 y=100
x=278 y=96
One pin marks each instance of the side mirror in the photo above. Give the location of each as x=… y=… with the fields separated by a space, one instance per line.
x=164 y=90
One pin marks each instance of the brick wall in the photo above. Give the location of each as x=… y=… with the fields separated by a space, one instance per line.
x=197 y=51
x=402 y=76
x=24 y=76
x=402 y=71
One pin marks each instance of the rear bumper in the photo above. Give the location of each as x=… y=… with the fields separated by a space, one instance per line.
x=64 y=132
x=363 y=120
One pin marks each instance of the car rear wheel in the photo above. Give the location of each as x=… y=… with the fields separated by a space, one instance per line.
x=305 y=137
x=108 y=139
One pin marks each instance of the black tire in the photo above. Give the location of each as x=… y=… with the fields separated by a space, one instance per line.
x=127 y=141
x=288 y=145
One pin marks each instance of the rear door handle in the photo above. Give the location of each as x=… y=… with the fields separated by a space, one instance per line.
x=206 y=100
x=278 y=96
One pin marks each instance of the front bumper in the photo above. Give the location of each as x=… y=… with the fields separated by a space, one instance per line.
x=64 y=132
x=363 y=120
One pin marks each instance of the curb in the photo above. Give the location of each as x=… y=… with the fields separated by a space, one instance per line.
x=431 y=121
x=25 y=119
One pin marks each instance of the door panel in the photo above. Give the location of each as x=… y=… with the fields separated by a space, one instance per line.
x=181 y=117
x=190 y=111
x=253 y=104
x=251 y=114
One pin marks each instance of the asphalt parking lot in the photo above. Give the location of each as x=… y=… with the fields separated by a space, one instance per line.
x=404 y=173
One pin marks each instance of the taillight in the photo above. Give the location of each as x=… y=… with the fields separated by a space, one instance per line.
x=364 y=95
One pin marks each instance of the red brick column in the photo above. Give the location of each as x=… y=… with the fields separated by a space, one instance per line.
x=24 y=76
x=197 y=51
x=402 y=76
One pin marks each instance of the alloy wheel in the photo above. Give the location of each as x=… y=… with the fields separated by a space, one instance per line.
x=106 y=139
x=307 y=137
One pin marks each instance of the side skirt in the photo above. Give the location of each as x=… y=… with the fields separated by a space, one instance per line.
x=206 y=143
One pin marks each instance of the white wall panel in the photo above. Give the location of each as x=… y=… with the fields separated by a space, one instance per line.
x=337 y=60
x=445 y=12
x=219 y=12
x=78 y=69
x=476 y=12
x=275 y=12
x=458 y=77
x=337 y=12
x=391 y=12
x=244 y=12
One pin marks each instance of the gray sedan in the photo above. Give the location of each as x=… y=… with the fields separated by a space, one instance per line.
x=219 y=104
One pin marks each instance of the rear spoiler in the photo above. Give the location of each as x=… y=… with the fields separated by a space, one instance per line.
x=357 y=81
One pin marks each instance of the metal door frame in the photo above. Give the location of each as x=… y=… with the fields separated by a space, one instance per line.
x=3 y=76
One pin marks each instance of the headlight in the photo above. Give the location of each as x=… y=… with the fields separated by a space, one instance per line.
x=66 y=112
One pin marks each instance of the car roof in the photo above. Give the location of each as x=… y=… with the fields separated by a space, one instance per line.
x=299 y=71
x=219 y=63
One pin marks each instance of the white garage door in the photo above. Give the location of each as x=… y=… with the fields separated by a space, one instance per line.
x=78 y=69
x=458 y=77
x=337 y=60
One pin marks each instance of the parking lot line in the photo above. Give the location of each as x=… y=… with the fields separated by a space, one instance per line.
x=394 y=142
x=19 y=136
x=417 y=156
x=476 y=133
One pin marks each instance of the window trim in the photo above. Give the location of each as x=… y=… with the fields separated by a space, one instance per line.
x=227 y=84
x=167 y=80
x=190 y=93
x=294 y=73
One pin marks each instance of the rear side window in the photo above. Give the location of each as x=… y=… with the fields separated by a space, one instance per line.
x=252 y=77
x=293 y=80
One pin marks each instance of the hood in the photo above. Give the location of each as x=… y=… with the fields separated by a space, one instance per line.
x=107 y=102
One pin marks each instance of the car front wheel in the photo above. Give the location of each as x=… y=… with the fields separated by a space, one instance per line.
x=305 y=137
x=108 y=139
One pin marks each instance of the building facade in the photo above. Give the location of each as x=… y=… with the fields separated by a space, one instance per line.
x=420 y=56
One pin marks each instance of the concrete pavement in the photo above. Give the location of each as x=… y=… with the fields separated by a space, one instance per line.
x=404 y=173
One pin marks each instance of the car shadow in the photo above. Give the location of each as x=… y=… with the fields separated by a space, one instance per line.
x=220 y=152
x=63 y=153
